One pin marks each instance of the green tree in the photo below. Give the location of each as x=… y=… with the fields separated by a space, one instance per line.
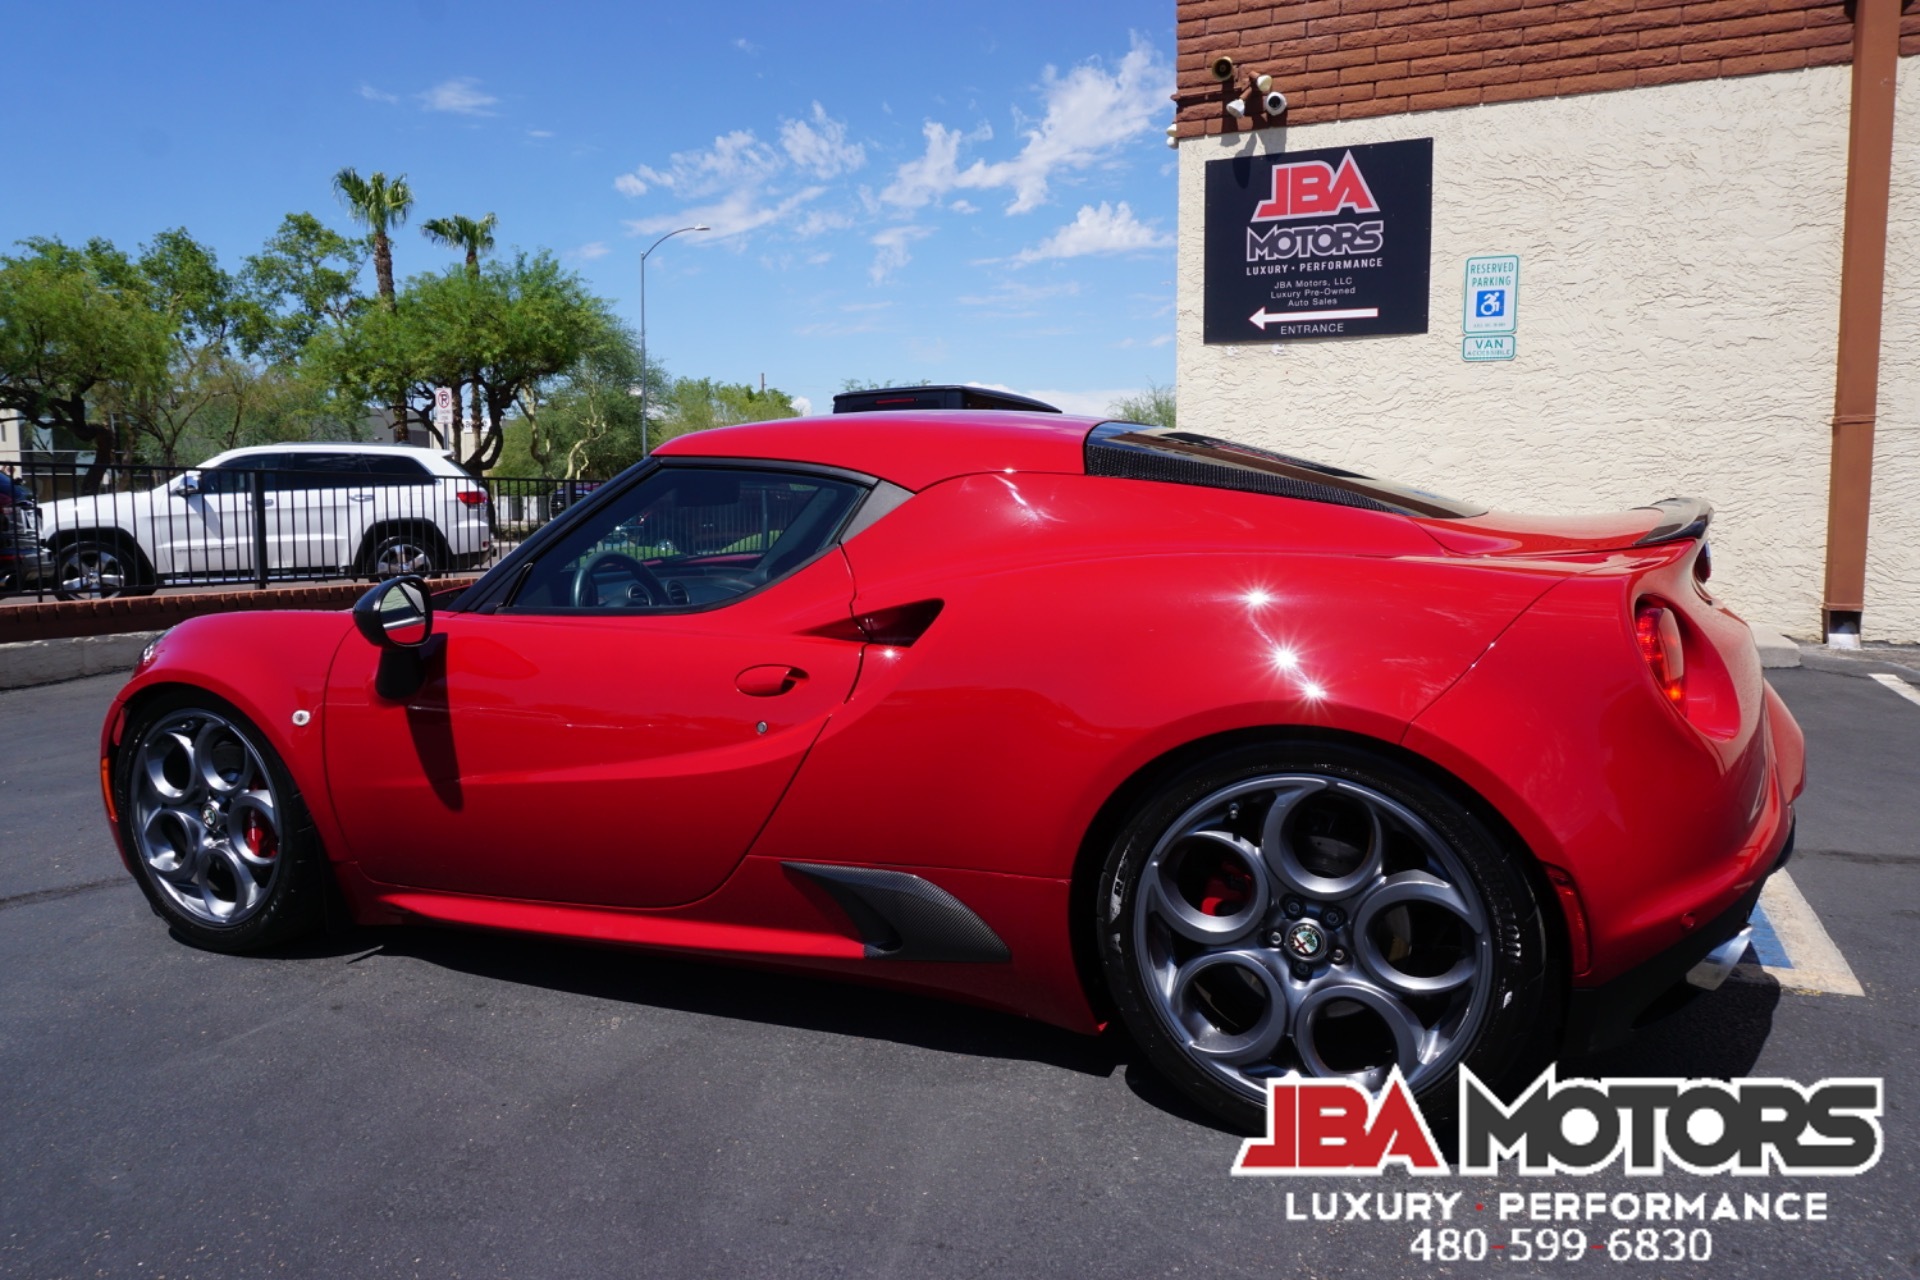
x=1150 y=408
x=512 y=329
x=695 y=404
x=305 y=279
x=77 y=336
x=381 y=203
x=475 y=235
x=199 y=305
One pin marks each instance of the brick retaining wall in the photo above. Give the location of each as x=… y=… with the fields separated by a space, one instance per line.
x=58 y=620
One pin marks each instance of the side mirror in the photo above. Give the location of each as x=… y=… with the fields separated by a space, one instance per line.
x=189 y=484
x=396 y=617
x=396 y=614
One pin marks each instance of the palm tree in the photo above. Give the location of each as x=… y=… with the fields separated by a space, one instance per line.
x=475 y=235
x=381 y=203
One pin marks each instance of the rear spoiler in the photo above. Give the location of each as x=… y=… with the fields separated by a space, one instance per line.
x=1681 y=518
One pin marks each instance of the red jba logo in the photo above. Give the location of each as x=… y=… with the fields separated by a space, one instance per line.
x=1750 y=1127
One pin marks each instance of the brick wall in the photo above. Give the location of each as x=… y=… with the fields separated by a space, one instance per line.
x=57 y=620
x=1341 y=59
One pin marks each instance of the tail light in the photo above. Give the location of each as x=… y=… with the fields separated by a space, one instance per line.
x=473 y=497
x=1658 y=632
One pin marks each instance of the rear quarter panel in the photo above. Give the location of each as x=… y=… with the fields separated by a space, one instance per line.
x=1090 y=626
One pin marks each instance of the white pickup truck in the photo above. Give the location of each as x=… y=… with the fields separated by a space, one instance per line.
x=324 y=510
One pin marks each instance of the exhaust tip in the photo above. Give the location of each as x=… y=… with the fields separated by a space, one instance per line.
x=1718 y=963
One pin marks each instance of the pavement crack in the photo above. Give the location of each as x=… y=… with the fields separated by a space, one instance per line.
x=64 y=891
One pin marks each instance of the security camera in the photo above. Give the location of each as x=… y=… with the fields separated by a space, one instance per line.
x=1263 y=83
x=1174 y=143
x=1222 y=68
x=1237 y=108
x=1274 y=103
x=1173 y=131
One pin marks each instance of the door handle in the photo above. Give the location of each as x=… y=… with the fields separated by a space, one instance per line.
x=768 y=681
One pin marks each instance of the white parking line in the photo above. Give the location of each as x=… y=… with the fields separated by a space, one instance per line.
x=1814 y=966
x=1899 y=686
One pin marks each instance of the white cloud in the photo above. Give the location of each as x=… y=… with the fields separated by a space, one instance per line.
x=372 y=94
x=820 y=145
x=745 y=45
x=1157 y=340
x=539 y=133
x=1102 y=228
x=1090 y=114
x=964 y=206
x=741 y=184
x=592 y=250
x=892 y=245
x=461 y=95
x=802 y=406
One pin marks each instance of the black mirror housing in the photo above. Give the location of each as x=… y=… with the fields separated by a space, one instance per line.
x=395 y=614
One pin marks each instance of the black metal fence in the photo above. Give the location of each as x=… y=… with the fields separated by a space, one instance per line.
x=302 y=515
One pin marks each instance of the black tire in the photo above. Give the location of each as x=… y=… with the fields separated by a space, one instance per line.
x=108 y=567
x=1506 y=1019
x=291 y=888
x=419 y=551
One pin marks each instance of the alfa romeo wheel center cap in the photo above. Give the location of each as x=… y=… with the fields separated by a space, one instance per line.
x=1305 y=941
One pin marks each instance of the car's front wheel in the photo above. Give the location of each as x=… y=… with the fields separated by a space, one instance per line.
x=221 y=841
x=98 y=569
x=1319 y=910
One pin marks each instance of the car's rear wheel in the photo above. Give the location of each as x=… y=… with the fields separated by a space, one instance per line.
x=1319 y=910
x=419 y=552
x=221 y=841
x=99 y=569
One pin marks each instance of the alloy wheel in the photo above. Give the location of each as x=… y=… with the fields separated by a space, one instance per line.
x=89 y=571
x=206 y=817
x=1294 y=924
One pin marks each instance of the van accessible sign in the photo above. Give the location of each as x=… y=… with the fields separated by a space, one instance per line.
x=1318 y=244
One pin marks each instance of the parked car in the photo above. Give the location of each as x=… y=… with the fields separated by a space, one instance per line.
x=316 y=510
x=24 y=563
x=567 y=493
x=1086 y=721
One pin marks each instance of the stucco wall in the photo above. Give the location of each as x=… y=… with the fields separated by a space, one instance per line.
x=1893 y=547
x=1680 y=252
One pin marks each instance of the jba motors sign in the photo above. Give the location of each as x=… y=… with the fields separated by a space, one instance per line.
x=1319 y=244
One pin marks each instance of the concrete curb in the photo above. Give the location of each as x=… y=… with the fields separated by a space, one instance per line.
x=34 y=662
x=1775 y=649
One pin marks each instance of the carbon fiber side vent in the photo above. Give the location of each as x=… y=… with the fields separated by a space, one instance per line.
x=903 y=917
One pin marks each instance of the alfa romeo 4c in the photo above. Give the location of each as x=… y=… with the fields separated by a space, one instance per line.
x=1289 y=770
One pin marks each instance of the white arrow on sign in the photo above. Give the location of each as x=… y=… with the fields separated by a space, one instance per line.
x=1264 y=317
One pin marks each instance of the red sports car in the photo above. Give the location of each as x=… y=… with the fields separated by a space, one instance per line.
x=1292 y=770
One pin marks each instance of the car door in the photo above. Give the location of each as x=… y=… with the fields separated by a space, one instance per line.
x=308 y=501
x=620 y=729
x=213 y=525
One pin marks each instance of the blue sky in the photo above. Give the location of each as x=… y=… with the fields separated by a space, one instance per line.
x=974 y=192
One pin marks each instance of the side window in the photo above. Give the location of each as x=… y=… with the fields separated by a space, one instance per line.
x=395 y=468
x=319 y=471
x=235 y=475
x=689 y=538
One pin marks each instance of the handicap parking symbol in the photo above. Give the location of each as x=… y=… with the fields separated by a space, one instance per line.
x=1490 y=302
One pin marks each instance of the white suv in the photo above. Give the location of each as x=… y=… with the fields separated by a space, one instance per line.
x=323 y=510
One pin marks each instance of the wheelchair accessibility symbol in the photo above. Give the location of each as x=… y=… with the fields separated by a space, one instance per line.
x=1490 y=302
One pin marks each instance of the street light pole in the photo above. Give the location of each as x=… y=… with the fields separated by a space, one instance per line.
x=643 y=326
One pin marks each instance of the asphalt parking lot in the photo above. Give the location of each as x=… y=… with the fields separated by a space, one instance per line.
x=445 y=1104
